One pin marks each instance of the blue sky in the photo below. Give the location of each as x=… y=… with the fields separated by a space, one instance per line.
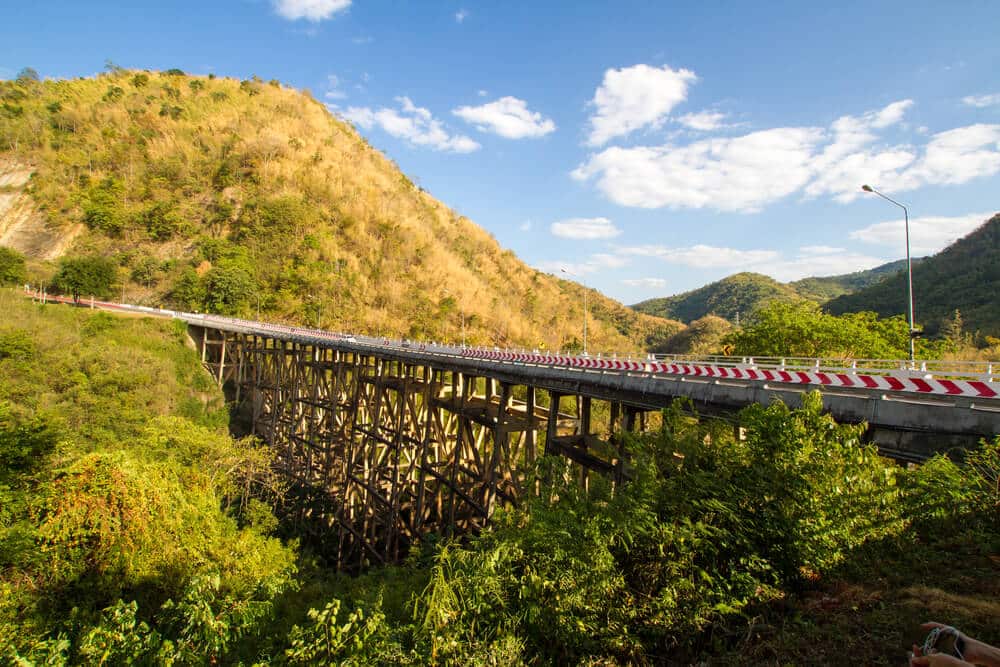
x=647 y=147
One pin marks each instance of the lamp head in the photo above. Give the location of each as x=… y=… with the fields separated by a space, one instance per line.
x=867 y=188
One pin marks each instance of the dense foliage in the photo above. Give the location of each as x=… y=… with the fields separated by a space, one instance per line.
x=964 y=275
x=12 y=267
x=242 y=197
x=134 y=530
x=731 y=298
x=740 y=294
x=85 y=276
x=803 y=330
x=703 y=336
x=822 y=289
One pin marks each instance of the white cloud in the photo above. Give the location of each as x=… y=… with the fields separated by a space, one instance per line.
x=635 y=97
x=461 y=15
x=704 y=121
x=573 y=270
x=311 y=10
x=483 y=93
x=585 y=229
x=525 y=226
x=333 y=88
x=658 y=283
x=806 y=264
x=981 y=101
x=509 y=117
x=849 y=157
x=820 y=250
x=928 y=234
x=808 y=261
x=954 y=157
x=411 y=123
x=730 y=174
x=748 y=172
x=703 y=256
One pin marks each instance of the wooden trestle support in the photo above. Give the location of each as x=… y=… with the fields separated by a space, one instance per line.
x=398 y=450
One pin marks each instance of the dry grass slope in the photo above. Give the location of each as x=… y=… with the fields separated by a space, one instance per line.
x=175 y=175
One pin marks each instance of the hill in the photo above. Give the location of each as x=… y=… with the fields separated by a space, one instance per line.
x=745 y=292
x=247 y=196
x=739 y=293
x=964 y=276
x=830 y=287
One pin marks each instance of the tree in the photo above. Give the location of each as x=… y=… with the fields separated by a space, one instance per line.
x=953 y=329
x=27 y=75
x=85 y=276
x=12 y=271
x=803 y=330
x=703 y=336
x=228 y=287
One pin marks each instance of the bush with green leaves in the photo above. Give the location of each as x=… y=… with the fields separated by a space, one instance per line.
x=801 y=329
x=12 y=268
x=85 y=276
x=708 y=529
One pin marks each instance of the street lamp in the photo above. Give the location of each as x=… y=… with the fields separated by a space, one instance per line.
x=909 y=265
x=570 y=273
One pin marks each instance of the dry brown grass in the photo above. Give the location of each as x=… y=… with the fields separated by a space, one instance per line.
x=384 y=254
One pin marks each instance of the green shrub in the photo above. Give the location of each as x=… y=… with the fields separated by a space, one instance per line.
x=85 y=276
x=12 y=268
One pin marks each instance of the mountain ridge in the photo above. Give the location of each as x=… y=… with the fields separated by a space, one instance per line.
x=739 y=294
x=964 y=277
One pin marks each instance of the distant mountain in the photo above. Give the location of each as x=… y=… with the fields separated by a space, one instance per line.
x=744 y=292
x=830 y=287
x=739 y=293
x=964 y=276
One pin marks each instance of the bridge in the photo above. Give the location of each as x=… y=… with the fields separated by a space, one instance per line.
x=392 y=439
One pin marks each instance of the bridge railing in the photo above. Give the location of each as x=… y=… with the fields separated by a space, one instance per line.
x=809 y=370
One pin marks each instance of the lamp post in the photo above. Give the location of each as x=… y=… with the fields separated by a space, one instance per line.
x=570 y=273
x=909 y=265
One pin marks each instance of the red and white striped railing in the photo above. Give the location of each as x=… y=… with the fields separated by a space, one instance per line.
x=976 y=380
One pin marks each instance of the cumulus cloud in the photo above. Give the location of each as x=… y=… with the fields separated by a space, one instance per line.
x=956 y=156
x=849 y=155
x=415 y=125
x=509 y=117
x=311 y=10
x=807 y=261
x=746 y=173
x=585 y=229
x=657 y=283
x=928 y=234
x=729 y=174
x=702 y=256
x=704 y=121
x=461 y=15
x=593 y=264
x=635 y=97
x=981 y=101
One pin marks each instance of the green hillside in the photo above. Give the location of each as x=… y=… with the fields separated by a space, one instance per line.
x=830 y=287
x=964 y=276
x=236 y=197
x=744 y=293
x=739 y=293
